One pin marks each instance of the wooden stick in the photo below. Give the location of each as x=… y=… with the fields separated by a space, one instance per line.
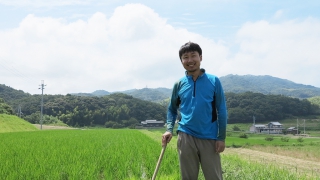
x=159 y=162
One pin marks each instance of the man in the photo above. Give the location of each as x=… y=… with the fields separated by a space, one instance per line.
x=202 y=128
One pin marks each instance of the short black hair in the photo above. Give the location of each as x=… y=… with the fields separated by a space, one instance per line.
x=189 y=47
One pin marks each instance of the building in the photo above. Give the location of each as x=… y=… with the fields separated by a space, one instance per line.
x=292 y=130
x=270 y=128
x=152 y=123
x=257 y=128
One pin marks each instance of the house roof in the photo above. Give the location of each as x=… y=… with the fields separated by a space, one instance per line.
x=259 y=125
x=151 y=122
x=275 y=123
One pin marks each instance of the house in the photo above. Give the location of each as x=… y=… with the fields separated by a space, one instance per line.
x=292 y=130
x=152 y=123
x=257 y=128
x=270 y=128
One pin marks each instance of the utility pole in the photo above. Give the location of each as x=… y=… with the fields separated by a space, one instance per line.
x=19 y=111
x=304 y=126
x=41 y=115
x=297 y=126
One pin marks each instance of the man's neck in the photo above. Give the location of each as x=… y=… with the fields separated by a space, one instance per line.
x=195 y=74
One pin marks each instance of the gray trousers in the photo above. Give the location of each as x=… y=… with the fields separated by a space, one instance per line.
x=194 y=152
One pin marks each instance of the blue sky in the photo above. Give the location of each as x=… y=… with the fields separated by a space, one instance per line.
x=88 y=45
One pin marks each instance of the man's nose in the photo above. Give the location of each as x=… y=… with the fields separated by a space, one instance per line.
x=189 y=59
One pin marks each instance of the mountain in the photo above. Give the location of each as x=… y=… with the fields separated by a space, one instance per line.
x=267 y=85
x=151 y=94
x=9 y=94
x=148 y=94
x=231 y=83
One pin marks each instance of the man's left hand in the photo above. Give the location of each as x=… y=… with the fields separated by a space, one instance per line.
x=220 y=146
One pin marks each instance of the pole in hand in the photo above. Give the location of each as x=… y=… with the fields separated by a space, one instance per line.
x=159 y=161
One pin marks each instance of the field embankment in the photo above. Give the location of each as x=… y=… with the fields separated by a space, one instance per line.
x=47 y=127
x=11 y=123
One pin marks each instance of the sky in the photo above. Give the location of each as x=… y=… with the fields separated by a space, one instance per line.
x=74 y=46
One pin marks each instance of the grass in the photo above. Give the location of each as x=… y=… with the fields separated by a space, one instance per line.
x=10 y=123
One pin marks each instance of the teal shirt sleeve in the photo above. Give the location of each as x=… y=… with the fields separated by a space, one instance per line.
x=221 y=111
x=173 y=108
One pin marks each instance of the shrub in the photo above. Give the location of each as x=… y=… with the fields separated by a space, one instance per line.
x=236 y=128
x=300 y=139
x=285 y=139
x=243 y=135
x=229 y=134
x=269 y=138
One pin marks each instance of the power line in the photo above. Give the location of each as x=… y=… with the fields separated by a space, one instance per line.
x=11 y=68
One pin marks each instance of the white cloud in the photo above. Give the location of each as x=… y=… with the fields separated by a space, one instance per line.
x=278 y=14
x=133 y=48
x=288 y=50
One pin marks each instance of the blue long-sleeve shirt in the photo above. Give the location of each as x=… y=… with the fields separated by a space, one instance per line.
x=197 y=101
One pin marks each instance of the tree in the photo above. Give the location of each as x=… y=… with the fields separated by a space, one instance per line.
x=5 y=108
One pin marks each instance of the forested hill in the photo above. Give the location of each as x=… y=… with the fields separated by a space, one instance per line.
x=231 y=83
x=121 y=110
x=115 y=110
x=149 y=94
x=267 y=85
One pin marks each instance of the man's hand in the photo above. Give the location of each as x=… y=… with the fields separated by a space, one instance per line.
x=166 y=138
x=220 y=146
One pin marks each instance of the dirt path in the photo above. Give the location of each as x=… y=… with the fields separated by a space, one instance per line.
x=294 y=164
x=52 y=127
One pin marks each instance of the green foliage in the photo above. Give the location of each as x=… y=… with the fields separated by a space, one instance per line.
x=284 y=139
x=10 y=95
x=315 y=101
x=269 y=138
x=242 y=107
x=5 y=108
x=300 y=139
x=118 y=107
x=81 y=111
x=243 y=135
x=236 y=128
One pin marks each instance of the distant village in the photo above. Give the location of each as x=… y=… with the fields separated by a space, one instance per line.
x=270 y=128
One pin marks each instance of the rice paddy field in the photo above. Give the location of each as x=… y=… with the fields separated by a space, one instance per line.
x=117 y=154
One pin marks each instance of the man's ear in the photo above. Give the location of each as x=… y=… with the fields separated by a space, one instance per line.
x=200 y=57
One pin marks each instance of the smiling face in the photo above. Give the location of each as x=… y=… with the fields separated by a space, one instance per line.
x=191 y=62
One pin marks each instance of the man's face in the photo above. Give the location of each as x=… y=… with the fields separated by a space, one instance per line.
x=191 y=61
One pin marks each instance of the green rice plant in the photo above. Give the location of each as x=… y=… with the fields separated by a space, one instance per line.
x=81 y=154
x=109 y=154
